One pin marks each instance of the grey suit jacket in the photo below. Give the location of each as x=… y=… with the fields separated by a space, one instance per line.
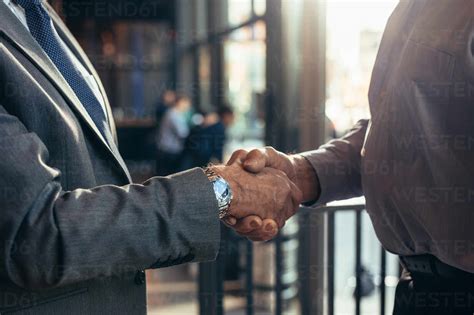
x=75 y=232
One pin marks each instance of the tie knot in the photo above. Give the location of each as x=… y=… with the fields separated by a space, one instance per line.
x=28 y=3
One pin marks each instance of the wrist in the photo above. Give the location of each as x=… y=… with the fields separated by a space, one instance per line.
x=306 y=178
x=229 y=175
x=222 y=191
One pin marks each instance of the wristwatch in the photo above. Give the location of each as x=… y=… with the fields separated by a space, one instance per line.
x=222 y=190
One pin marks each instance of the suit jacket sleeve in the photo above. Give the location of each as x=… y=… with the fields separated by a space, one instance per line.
x=52 y=237
x=338 y=165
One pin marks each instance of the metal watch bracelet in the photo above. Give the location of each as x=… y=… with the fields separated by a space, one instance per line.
x=215 y=178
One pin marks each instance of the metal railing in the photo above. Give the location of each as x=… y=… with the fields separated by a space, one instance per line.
x=211 y=275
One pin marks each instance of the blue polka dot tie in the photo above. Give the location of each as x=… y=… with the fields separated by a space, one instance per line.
x=41 y=27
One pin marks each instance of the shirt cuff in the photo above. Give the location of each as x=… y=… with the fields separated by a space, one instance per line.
x=331 y=176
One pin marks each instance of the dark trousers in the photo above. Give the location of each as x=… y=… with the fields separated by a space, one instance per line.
x=430 y=295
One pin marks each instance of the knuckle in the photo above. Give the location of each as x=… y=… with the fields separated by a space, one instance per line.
x=270 y=149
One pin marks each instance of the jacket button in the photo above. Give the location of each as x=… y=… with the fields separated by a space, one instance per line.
x=140 y=277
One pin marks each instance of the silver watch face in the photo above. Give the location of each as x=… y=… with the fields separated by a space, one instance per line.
x=223 y=192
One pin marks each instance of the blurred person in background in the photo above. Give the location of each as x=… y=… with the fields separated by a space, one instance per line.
x=206 y=141
x=172 y=135
x=167 y=101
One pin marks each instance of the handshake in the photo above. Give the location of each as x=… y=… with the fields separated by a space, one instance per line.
x=267 y=186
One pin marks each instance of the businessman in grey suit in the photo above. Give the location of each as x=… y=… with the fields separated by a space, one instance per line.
x=414 y=160
x=76 y=233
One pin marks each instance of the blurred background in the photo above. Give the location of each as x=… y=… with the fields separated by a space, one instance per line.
x=192 y=80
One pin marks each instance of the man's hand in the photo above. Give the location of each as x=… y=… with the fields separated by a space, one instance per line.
x=268 y=194
x=296 y=167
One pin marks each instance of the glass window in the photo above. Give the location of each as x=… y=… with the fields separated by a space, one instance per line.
x=245 y=83
x=204 y=78
x=255 y=32
x=185 y=83
x=259 y=7
x=354 y=30
x=239 y=11
x=201 y=28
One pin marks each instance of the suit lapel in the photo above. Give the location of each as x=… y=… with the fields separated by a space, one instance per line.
x=77 y=50
x=15 y=32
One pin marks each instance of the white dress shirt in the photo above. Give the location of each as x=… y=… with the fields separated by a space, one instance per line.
x=89 y=78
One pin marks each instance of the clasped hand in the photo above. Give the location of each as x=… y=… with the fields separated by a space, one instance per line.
x=267 y=191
